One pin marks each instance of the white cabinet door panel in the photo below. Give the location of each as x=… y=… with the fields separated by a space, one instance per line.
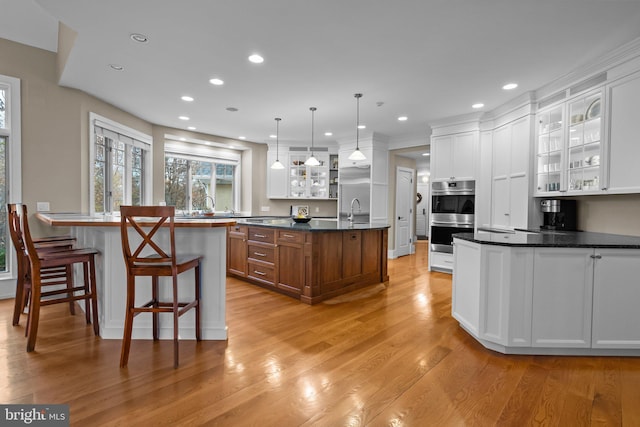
x=624 y=138
x=616 y=296
x=562 y=297
x=465 y=302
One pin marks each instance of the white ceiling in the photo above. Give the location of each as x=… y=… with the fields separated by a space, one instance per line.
x=426 y=59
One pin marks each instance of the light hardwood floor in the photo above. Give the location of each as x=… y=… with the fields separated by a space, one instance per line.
x=379 y=357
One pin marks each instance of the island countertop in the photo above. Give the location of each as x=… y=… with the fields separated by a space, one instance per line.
x=313 y=225
x=559 y=239
x=84 y=220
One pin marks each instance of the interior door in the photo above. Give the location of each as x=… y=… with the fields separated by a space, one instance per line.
x=422 y=209
x=404 y=209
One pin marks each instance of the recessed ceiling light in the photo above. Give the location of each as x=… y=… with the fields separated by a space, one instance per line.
x=187 y=98
x=183 y=139
x=256 y=59
x=402 y=118
x=207 y=143
x=478 y=105
x=328 y=134
x=362 y=127
x=116 y=67
x=140 y=38
x=426 y=154
x=232 y=109
x=242 y=137
x=510 y=86
x=273 y=136
x=183 y=118
x=216 y=81
x=191 y=127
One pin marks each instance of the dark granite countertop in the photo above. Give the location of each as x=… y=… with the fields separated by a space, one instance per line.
x=313 y=225
x=560 y=239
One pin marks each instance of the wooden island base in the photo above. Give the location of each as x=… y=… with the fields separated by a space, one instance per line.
x=307 y=262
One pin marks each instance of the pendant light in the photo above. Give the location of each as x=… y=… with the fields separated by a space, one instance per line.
x=312 y=161
x=277 y=164
x=357 y=154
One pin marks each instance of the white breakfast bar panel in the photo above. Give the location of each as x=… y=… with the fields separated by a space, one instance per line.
x=207 y=237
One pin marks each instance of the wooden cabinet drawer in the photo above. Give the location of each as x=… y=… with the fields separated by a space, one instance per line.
x=238 y=229
x=262 y=272
x=260 y=234
x=290 y=236
x=262 y=253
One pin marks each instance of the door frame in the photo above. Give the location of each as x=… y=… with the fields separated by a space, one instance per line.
x=409 y=215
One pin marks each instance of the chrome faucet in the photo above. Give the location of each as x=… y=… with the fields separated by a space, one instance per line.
x=213 y=203
x=350 y=217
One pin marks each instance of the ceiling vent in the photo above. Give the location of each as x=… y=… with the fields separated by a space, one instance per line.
x=552 y=99
x=588 y=84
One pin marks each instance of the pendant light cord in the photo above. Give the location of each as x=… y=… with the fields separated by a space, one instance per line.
x=277 y=138
x=358 y=96
x=313 y=109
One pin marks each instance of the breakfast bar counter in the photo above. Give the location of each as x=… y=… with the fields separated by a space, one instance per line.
x=206 y=236
x=561 y=293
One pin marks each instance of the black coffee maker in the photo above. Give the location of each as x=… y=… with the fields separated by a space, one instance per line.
x=558 y=214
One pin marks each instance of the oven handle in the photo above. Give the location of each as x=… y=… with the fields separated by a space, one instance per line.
x=462 y=224
x=448 y=192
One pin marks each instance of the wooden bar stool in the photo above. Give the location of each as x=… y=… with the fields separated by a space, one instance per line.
x=152 y=258
x=47 y=268
x=53 y=276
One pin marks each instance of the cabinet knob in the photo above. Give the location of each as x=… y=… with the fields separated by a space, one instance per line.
x=596 y=256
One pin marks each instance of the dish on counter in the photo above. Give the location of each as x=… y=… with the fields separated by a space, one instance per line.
x=593 y=110
x=301 y=219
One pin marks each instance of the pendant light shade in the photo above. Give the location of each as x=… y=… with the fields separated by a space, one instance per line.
x=357 y=154
x=277 y=164
x=312 y=161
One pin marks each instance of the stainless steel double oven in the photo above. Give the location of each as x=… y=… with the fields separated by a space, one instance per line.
x=452 y=211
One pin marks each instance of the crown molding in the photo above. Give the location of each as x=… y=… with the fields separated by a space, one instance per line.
x=614 y=58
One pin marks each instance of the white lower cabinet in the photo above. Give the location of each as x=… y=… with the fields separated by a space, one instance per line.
x=505 y=308
x=562 y=297
x=541 y=300
x=616 y=295
x=441 y=261
x=465 y=294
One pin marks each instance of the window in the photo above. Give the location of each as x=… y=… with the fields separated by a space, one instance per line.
x=5 y=245
x=200 y=178
x=121 y=169
x=10 y=173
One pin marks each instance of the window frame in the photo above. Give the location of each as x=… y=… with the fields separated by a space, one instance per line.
x=13 y=157
x=206 y=153
x=147 y=178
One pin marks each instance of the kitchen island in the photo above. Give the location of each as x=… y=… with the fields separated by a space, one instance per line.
x=560 y=293
x=206 y=236
x=308 y=261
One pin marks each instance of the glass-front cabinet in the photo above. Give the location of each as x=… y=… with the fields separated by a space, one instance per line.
x=308 y=181
x=550 y=149
x=569 y=146
x=585 y=130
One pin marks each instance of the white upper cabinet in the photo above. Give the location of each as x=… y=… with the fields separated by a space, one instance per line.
x=584 y=152
x=277 y=179
x=298 y=180
x=454 y=156
x=624 y=138
x=510 y=178
x=570 y=146
x=550 y=149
